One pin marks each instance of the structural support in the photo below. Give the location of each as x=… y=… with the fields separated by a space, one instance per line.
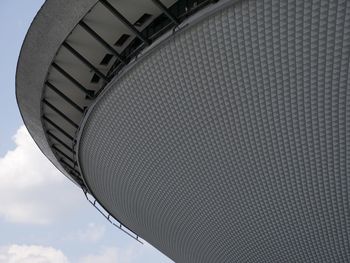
x=58 y=128
x=61 y=142
x=68 y=100
x=70 y=167
x=102 y=41
x=78 y=179
x=63 y=154
x=60 y=113
x=88 y=93
x=125 y=21
x=84 y=60
x=166 y=11
x=108 y=217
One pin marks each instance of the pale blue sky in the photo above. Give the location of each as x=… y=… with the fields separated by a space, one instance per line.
x=73 y=231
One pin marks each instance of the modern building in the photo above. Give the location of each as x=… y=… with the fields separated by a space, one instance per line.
x=217 y=131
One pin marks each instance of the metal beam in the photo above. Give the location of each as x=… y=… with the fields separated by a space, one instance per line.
x=85 y=61
x=102 y=41
x=60 y=113
x=78 y=179
x=61 y=142
x=109 y=216
x=125 y=21
x=69 y=166
x=63 y=154
x=88 y=93
x=68 y=100
x=58 y=128
x=166 y=11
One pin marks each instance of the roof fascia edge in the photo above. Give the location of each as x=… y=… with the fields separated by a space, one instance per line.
x=50 y=27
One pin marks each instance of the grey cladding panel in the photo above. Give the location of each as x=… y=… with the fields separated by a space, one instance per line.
x=231 y=142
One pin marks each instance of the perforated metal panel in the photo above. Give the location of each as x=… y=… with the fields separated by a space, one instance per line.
x=231 y=142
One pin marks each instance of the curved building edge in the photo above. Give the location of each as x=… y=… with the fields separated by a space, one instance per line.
x=50 y=27
x=163 y=40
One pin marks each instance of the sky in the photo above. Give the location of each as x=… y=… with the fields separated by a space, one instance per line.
x=44 y=217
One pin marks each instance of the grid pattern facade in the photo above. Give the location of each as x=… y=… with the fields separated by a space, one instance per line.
x=229 y=143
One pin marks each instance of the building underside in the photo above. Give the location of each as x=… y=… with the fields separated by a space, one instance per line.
x=217 y=131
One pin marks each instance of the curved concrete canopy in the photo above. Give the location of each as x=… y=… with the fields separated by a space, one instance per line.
x=53 y=23
x=72 y=51
x=62 y=68
x=230 y=142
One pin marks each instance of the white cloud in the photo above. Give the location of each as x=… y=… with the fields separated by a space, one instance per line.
x=93 y=233
x=131 y=253
x=32 y=190
x=45 y=254
x=111 y=255
x=31 y=254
